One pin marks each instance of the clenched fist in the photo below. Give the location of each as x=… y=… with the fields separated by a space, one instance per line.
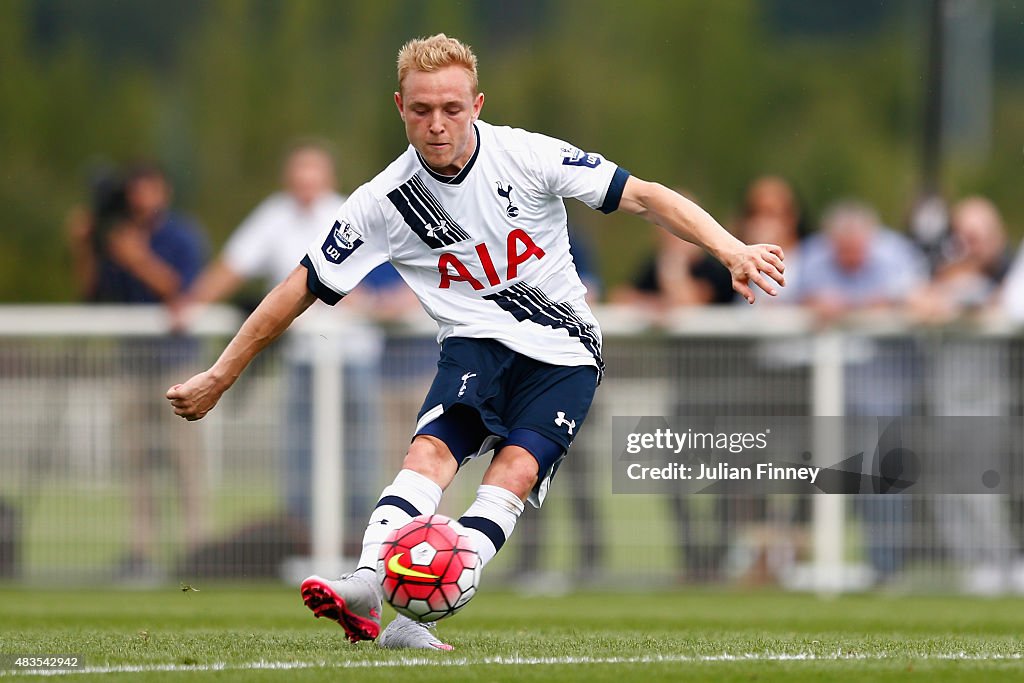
x=196 y=397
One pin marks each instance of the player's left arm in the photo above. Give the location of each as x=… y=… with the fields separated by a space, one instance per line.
x=198 y=396
x=761 y=264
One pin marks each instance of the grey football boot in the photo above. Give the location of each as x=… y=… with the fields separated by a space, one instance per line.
x=404 y=633
x=352 y=601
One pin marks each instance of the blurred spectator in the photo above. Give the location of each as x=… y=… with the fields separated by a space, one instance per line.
x=772 y=214
x=131 y=248
x=268 y=245
x=856 y=265
x=583 y=256
x=283 y=225
x=677 y=274
x=771 y=196
x=967 y=377
x=970 y=277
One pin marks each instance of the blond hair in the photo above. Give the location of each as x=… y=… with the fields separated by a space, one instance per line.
x=433 y=53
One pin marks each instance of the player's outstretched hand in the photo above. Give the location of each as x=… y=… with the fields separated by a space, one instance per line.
x=196 y=397
x=761 y=264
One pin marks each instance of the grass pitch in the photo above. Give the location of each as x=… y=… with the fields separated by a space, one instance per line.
x=264 y=633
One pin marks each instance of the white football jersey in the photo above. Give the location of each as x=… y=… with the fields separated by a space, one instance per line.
x=486 y=251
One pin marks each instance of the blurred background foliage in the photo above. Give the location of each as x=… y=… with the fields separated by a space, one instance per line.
x=697 y=94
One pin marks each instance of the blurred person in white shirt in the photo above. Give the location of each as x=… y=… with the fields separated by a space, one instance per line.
x=968 y=377
x=266 y=246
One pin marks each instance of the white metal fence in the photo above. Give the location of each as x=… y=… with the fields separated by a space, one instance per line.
x=100 y=483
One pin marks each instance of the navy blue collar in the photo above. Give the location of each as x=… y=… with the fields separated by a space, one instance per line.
x=461 y=175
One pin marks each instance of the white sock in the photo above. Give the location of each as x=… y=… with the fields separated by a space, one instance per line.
x=491 y=519
x=409 y=495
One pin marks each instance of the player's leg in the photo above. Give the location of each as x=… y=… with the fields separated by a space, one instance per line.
x=427 y=470
x=452 y=427
x=545 y=409
x=430 y=465
x=461 y=431
x=354 y=601
x=459 y=413
x=507 y=483
x=446 y=425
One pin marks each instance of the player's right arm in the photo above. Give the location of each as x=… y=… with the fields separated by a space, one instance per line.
x=197 y=397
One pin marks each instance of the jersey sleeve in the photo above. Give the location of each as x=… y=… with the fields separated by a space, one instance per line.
x=347 y=250
x=568 y=171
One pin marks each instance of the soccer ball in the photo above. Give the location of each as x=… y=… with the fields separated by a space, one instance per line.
x=429 y=568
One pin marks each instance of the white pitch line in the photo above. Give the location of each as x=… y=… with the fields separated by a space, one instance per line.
x=507 y=661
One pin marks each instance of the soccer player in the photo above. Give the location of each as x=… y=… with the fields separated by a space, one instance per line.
x=471 y=216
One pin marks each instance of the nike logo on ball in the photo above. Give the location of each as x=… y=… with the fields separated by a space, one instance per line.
x=394 y=566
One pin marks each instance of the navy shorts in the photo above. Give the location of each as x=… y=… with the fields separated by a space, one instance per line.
x=486 y=396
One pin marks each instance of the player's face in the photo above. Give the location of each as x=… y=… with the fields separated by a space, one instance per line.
x=439 y=109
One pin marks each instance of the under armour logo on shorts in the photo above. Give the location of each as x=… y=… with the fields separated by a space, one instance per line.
x=561 y=421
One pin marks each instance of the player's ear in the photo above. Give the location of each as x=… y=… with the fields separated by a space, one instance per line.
x=398 y=103
x=478 y=104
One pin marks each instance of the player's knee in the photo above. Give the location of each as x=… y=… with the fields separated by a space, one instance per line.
x=513 y=469
x=430 y=457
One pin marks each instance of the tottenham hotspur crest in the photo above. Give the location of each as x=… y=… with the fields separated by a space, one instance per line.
x=506 y=193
